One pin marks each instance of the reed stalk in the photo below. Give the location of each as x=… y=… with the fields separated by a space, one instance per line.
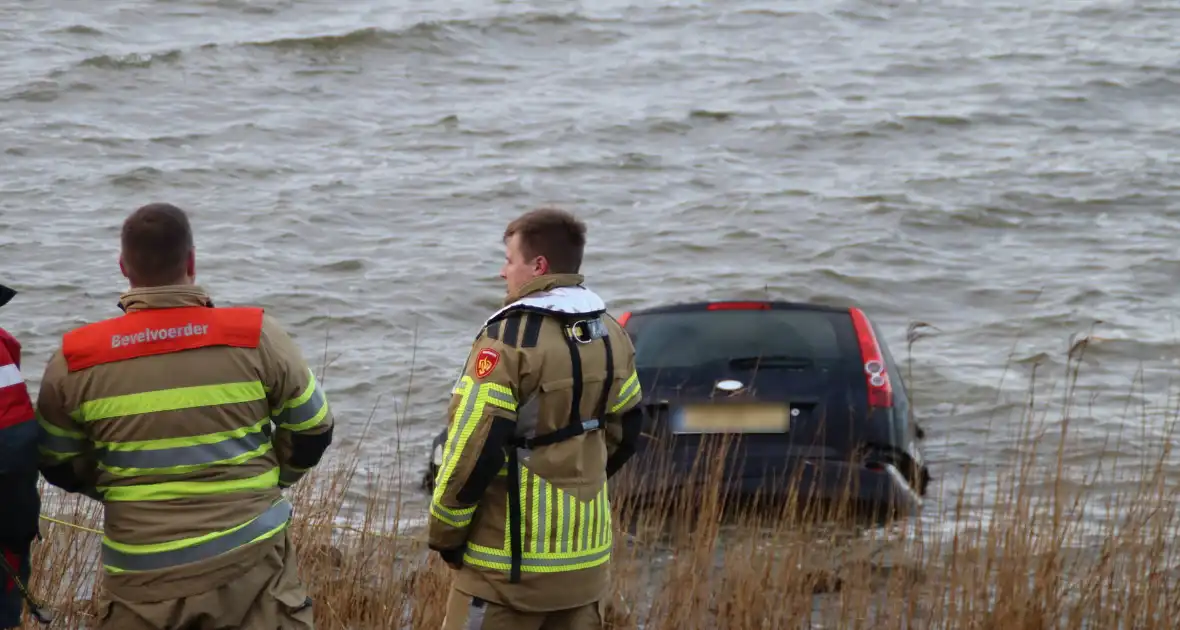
x=1032 y=543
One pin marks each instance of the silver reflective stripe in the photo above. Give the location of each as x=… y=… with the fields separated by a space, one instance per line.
x=527 y=563
x=460 y=426
x=567 y=524
x=596 y=524
x=460 y=520
x=590 y=425
x=60 y=444
x=584 y=523
x=274 y=517
x=629 y=390
x=500 y=396
x=185 y=455
x=304 y=412
x=542 y=526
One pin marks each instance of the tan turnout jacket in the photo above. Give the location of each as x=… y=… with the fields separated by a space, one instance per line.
x=185 y=448
x=521 y=379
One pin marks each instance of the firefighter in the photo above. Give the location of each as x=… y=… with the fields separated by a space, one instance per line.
x=544 y=413
x=186 y=421
x=20 y=503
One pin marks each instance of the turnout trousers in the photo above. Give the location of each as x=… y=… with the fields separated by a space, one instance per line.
x=270 y=596
x=465 y=612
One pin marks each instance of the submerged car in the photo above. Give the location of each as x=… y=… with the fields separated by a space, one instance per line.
x=809 y=396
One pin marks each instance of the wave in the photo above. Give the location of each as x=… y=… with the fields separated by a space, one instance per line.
x=428 y=36
x=80 y=29
x=134 y=60
x=429 y=31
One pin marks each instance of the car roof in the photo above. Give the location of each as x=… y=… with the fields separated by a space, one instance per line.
x=700 y=305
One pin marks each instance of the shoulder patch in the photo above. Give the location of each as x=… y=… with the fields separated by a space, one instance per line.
x=485 y=362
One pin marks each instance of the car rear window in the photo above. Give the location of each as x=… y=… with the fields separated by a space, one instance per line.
x=692 y=338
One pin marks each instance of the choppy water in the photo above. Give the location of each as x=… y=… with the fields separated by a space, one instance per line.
x=1004 y=171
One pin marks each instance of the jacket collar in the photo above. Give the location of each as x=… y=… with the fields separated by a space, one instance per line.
x=553 y=294
x=545 y=283
x=173 y=296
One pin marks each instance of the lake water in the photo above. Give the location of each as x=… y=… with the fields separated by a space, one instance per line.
x=1003 y=171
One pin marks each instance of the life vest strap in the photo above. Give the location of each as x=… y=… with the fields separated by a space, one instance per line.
x=577 y=333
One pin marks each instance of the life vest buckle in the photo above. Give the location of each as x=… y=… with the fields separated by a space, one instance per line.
x=585 y=331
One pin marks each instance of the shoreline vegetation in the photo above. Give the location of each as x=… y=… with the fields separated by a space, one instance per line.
x=1028 y=546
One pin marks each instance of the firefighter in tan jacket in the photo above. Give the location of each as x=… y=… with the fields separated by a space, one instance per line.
x=165 y=414
x=545 y=411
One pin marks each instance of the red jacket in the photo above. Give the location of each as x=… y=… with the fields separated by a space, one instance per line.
x=20 y=503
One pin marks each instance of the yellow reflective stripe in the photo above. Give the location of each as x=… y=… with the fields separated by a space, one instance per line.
x=580 y=533
x=56 y=456
x=458 y=433
x=116 y=570
x=536 y=491
x=498 y=395
x=182 y=489
x=599 y=519
x=180 y=455
x=589 y=521
x=56 y=443
x=602 y=522
x=499 y=560
x=562 y=523
x=468 y=412
x=573 y=555
x=311 y=422
x=171 y=545
x=307 y=392
x=169 y=400
x=454 y=518
x=562 y=532
x=53 y=429
x=627 y=392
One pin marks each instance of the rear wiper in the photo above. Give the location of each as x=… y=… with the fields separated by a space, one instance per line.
x=782 y=361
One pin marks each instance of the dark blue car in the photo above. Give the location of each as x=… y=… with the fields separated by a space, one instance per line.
x=780 y=398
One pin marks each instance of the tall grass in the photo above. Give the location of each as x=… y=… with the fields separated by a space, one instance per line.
x=1028 y=547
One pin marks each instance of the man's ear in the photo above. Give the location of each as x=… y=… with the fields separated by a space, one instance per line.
x=123 y=267
x=540 y=265
x=190 y=265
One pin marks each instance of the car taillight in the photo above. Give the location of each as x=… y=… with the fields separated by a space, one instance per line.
x=876 y=377
x=623 y=319
x=738 y=306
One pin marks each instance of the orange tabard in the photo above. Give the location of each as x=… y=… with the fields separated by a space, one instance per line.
x=160 y=331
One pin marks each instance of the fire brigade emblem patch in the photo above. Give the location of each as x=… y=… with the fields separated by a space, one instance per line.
x=485 y=362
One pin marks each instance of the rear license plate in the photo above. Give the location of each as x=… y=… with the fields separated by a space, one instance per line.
x=732 y=418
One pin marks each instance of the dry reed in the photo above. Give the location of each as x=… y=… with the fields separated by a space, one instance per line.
x=1028 y=547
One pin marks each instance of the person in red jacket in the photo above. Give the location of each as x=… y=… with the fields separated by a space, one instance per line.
x=20 y=503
